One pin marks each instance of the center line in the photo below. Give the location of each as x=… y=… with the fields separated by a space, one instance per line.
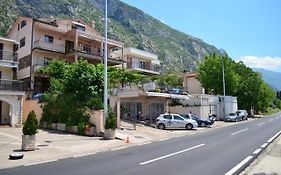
x=261 y=124
x=170 y=155
x=239 y=131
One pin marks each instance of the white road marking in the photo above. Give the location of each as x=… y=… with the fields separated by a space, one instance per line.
x=170 y=155
x=239 y=131
x=270 y=120
x=272 y=138
x=123 y=147
x=46 y=161
x=234 y=169
x=257 y=151
x=82 y=155
x=261 y=124
x=264 y=145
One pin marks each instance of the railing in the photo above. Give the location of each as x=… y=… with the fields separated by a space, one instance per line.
x=8 y=56
x=146 y=66
x=41 y=44
x=11 y=85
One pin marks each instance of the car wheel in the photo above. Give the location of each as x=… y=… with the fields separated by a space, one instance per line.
x=203 y=124
x=236 y=120
x=188 y=126
x=161 y=126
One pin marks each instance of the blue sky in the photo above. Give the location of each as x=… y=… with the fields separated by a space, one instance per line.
x=249 y=30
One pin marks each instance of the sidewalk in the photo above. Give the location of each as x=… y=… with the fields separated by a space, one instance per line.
x=54 y=145
x=269 y=162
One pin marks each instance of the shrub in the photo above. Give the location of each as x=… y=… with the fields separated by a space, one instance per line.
x=30 y=125
x=110 y=122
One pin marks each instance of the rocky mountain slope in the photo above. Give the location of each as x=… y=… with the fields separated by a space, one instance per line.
x=176 y=50
x=271 y=78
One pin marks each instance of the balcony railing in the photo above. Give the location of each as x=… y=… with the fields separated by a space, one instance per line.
x=11 y=85
x=8 y=56
x=146 y=66
x=41 y=44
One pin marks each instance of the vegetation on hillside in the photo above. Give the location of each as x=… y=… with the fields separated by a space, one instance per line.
x=240 y=81
x=176 y=50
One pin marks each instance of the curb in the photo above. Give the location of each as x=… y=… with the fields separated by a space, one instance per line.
x=248 y=160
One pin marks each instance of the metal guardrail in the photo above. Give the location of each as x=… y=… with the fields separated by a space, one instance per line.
x=11 y=85
x=8 y=56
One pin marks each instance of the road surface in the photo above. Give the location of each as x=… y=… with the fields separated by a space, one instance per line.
x=220 y=151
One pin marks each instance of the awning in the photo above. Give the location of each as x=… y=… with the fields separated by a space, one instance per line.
x=166 y=95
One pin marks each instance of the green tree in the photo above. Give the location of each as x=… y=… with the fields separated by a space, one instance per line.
x=210 y=74
x=5 y=16
x=240 y=81
x=265 y=98
x=30 y=125
x=248 y=86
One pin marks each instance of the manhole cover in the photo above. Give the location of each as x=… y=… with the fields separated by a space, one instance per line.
x=138 y=137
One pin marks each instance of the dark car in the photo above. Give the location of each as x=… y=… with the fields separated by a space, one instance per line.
x=200 y=121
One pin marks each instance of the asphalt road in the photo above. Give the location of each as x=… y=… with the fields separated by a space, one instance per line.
x=219 y=151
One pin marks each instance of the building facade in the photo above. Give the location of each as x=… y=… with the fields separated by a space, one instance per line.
x=142 y=61
x=47 y=39
x=11 y=90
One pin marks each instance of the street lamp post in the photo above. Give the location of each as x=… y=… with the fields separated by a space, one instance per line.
x=105 y=95
x=223 y=83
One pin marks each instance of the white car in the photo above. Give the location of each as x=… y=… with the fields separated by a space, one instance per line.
x=243 y=114
x=175 y=121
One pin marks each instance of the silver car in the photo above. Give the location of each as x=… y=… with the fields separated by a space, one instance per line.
x=234 y=117
x=243 y=114
x=175 y=121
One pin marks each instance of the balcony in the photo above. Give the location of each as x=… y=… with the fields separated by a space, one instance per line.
x=8 y=59
x=41 y=44
x=144 y=67
x=11 y=85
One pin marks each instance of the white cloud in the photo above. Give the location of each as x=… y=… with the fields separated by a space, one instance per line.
x=269 y=63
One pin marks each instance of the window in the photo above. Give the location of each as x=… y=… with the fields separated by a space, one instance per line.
x=142 y=64
x=22 y=42
x=48 y=39
x=177 y=117
x=46 y=61
x=85 y=48
x=79 y=27
x=24 y=62
x=169 y=117
x=22 y=24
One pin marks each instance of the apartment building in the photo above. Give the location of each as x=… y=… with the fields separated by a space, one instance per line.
x=141 y=61
x=42 y=40
x=11 y=90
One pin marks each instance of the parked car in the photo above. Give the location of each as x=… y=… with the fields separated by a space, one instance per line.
x=175 y=121
x=200 y=121
x=233 y=117
x=243 y=114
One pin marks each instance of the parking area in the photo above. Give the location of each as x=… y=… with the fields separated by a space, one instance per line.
x=54 y=145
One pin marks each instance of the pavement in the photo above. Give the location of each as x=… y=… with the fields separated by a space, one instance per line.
x=54 y=145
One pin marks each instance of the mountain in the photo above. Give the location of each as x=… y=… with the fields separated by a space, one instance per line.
x=271 y=78
x=177 y=51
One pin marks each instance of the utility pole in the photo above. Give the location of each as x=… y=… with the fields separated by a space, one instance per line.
x=223 y=83
x=105 y=95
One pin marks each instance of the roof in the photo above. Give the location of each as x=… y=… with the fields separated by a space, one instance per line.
x=8 y=40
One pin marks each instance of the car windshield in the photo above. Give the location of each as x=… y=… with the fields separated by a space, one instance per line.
x=232 y=114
